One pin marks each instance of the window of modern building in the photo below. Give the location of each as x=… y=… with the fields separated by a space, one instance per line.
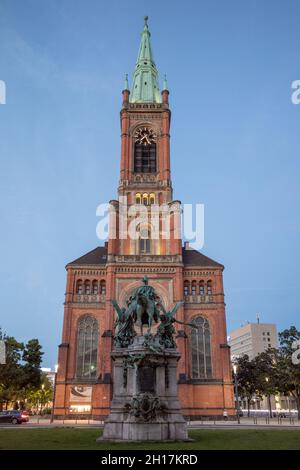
x=87 y=347
x=201 y=349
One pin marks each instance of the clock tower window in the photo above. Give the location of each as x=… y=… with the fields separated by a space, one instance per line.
x=144 y=151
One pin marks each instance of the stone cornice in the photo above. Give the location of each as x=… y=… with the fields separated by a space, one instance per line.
x=203 y=306
x=145 y=259
x=88 y=267
x=93 y=305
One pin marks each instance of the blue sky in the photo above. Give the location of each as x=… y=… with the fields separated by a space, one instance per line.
x=235 y=143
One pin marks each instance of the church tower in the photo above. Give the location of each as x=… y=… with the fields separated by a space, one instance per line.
x=144 y=239
x=145 y=175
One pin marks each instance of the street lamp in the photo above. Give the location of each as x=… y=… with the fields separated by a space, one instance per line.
x=269 y=400
x=42 y=399
x=54 y=392
x=236 y=393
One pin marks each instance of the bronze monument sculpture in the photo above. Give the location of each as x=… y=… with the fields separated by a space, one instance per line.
x=145 y=405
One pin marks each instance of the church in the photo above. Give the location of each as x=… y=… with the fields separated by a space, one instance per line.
x=84 y=380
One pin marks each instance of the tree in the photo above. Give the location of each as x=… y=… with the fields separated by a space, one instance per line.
x=11 y=372
x=32 y=356
x=267 y=377
x=247 y=379
x=288 y=371
x=266 y=371
x=21 y=371
x=41 y=397
x=273 y=371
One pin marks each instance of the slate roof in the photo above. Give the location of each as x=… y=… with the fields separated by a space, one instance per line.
x=195 y=258
x=98 y=257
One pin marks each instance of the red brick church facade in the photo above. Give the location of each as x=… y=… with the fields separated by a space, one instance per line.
x=84 y=378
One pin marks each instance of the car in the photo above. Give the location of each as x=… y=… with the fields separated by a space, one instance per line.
x=14 y=416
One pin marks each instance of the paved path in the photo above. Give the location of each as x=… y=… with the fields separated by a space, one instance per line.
x=246 y=423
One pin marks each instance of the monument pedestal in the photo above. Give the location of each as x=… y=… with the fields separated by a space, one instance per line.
x=145 y=405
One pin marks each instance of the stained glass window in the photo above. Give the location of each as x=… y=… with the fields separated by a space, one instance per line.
x=201 y=349
x=87 y=347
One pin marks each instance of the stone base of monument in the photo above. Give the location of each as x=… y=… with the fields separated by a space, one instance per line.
x=145 y=406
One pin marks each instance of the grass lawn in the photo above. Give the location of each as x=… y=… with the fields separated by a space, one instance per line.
x=209 y=439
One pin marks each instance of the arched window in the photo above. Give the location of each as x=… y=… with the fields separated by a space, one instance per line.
x=87 y=347
x=145 y=199
x=87 y=287
x=201 y=288
x=102 y=287
x=194 y=288
x=145 y=241
x=186 y=288
x=152 y=198
x=145 y=151
x=95 y=287
x=79 y=287
x=201 y=349
x=209 y=288
x=138 y=198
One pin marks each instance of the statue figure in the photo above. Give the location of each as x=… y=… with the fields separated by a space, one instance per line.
x=151 y=343
x=166 y=330
x=143 y=305
x=124 y=327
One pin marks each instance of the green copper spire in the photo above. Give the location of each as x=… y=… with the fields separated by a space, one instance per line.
x=145 y=87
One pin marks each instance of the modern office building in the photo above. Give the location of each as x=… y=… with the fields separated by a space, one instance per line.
x=252 y=339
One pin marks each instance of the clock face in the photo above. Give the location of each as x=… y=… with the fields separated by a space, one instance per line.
x=144 y=136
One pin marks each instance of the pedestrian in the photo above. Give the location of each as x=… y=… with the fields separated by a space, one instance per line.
x=225 y=415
